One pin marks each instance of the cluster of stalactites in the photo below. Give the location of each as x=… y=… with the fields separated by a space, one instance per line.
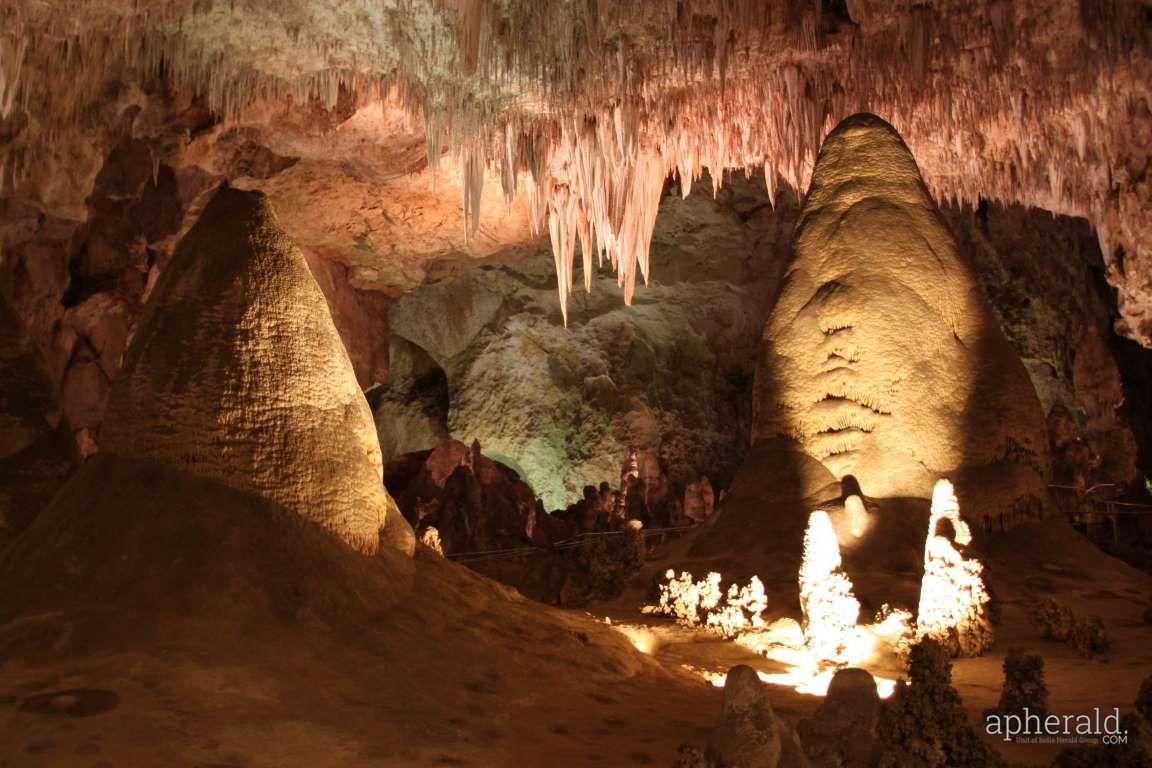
x=982 y=124
x=953 y=600
x=588 y=107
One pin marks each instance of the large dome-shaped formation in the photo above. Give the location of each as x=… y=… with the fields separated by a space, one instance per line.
x=238 y=374
x=882 y=358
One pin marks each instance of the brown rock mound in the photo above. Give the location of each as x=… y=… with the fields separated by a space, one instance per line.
x=748 y=735
x=143 y=591
x=238 y=374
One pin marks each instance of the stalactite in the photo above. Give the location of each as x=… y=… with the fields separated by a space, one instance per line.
x=572 y=104
x=474 y=167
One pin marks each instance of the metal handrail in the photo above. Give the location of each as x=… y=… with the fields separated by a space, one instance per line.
x=575 y=541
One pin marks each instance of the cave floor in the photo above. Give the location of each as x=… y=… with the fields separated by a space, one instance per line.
x=1023 y=565
x=170 y=621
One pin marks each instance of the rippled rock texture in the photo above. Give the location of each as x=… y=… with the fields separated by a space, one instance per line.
x=882 y=358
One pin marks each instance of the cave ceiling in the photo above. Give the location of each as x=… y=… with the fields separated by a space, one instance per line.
x=563 y=120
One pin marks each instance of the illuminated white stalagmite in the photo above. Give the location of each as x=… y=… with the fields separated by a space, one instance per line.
x=953 y=600
x=830 y=609
x=857 y=515
x=694 y=603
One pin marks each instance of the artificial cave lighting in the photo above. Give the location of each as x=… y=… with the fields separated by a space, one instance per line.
x=799 y=679
x=644 y=639
x=815 y=684
x=953 y=601
x=952 y=607
x=830 y=639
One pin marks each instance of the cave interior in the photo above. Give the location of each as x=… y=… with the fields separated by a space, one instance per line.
x=688 y=383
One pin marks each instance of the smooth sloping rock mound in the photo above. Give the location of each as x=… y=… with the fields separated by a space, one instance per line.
x=202 y=625
x=881 y=357
x=36 y=448
x=238 y=374
x=130 y=536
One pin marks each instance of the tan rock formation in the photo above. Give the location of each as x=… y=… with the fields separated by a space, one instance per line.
x=238 y=374
x=881 y=357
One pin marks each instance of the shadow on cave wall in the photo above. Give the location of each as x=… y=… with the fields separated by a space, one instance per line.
x=1043 y=277
x=411 y=408
x=759 y=526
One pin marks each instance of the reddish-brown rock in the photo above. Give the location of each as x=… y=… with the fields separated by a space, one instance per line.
x=37 y=453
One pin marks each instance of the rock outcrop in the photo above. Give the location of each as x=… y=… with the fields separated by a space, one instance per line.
x=36 y=449
x=237 y=374
x=474 y=503
x=748 y=734
x=842 y=732
x=411 y=408
x=881 y=358
x=1043 y=279
x=1100 y=394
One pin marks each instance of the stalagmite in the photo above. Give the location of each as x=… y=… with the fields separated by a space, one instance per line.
x=953 y=601
x=238 y=374
x=881 y=358
x=11 y=65
x=826 y=600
